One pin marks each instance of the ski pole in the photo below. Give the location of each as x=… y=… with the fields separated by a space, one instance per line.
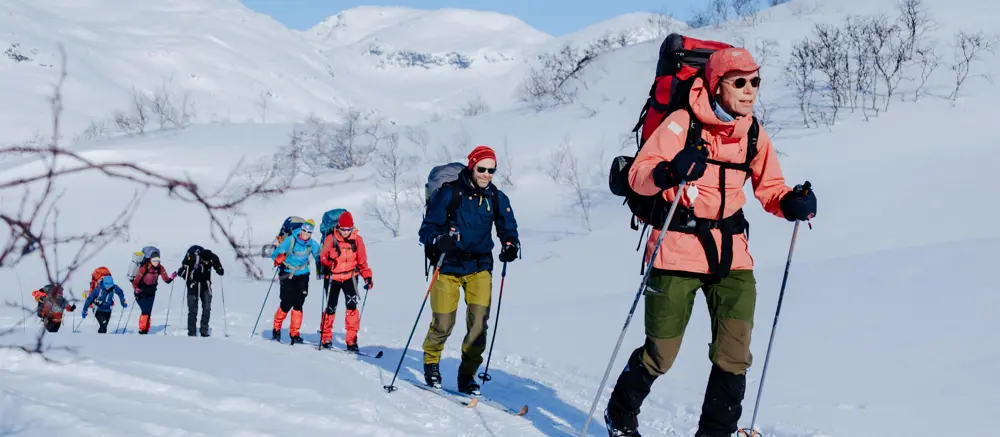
x=225 y=319
x=363 y=301
x=170 y=300
x=264 y=303
x=774 y=326
x=131 y=307
x=437 y=270
x=485 y=376
x=642 y=285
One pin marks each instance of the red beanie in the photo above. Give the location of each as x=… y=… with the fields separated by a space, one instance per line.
x=345 y=220
x=480 y=153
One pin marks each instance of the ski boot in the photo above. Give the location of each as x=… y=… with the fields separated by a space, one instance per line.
x=353 y=347
x=432 y=375
x=467 y=384
x=327 y=345
x=621 y=424
x=276 y=334
x=296 y=339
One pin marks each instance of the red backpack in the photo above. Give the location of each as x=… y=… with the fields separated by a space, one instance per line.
x=95 y=277
x=681 y=60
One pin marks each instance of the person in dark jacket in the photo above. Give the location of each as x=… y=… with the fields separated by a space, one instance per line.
x=465 y=237
x=196 y=269
x=102 y=296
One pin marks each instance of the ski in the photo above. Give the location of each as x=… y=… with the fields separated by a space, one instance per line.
x=364 y=354
x=460 y=400
x=470 y=401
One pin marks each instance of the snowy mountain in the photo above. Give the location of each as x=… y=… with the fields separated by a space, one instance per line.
x=888 y=314
x=229 y=64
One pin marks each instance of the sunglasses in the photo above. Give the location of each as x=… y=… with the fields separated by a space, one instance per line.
x=486 y=170
x=742 y=82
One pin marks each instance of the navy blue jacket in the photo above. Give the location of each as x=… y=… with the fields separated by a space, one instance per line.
x=474 y=220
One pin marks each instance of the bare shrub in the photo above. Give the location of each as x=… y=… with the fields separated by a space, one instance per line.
x=553 y=82
x=475 y=106
x=799 y=73
x=505 y=170
x=565 y=168
x=662 y=23
x=969 y=48
x=391 y=166
x=420 y=137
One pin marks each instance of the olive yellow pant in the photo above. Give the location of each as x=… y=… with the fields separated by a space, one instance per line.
x=444 y=306
x=669 y=302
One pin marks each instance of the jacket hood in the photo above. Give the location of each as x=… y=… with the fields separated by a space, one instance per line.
x=701 y=107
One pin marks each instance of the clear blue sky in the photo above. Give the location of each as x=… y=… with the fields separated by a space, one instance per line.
x=556 y=17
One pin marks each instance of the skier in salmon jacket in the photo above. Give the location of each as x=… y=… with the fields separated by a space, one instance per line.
x=102 y=296
x=722 y=100
x=345 y=257
x=465 y=237
x=292 y=256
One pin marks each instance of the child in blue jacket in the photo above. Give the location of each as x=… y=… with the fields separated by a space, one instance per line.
x=103 y=297
x=292 y=256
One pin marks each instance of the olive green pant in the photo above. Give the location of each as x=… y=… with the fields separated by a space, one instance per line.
x=669 y=301
x=444 y=306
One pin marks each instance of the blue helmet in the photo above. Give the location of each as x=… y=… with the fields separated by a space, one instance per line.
x=107 y=281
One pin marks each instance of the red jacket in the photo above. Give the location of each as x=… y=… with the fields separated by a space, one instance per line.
x=348 y=262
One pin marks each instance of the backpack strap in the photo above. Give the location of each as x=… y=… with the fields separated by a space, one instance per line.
x=718 y=267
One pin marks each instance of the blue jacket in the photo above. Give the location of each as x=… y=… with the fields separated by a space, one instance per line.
x=474 y=220
x=103 y=297
x=297 y=258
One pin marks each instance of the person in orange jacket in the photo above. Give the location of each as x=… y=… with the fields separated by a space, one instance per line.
x=711 y=254
x=344 y=257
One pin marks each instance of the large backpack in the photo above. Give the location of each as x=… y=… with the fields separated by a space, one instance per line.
x=95 y=278
x=287 y=227
x=439 y=176
x=50 y=307
x=329 y=222
x=139 y=258
x=681 y=60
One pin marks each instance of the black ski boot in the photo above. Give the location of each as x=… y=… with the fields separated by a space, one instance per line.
x=353 y=347
x=632 y=387
x=467 y=384
x=327 y=345
x=432 y=375
x=723 y=404
x=621 y=424
x=296 y=339
x=190 y=333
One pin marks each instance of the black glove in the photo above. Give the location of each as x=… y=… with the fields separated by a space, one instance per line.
x=220 y=271
x=72 y=307
x=509 y=251
x=669 y=174
x=446 y=243
x=369 y=283
x=800 y=203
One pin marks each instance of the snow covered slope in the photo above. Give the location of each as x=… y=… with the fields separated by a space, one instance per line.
x=218 y=53
x=888 y=313
x=229 y=64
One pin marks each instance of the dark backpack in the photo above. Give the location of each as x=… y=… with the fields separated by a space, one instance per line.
x=681 y=60
x=287 y=227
